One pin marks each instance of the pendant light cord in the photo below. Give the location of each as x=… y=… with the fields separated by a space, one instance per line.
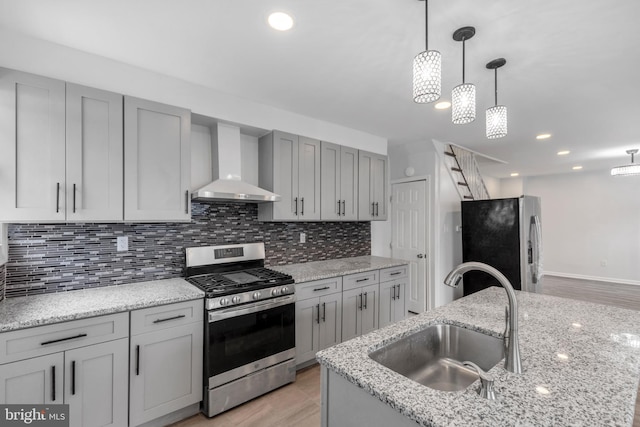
x=426 y=25
x=496 y=85
x=463 y=40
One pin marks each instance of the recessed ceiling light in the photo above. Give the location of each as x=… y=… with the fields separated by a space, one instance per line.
x=563 y=153
x=280 y=21
x=515 y=174
x=543 y=136
x=442 y=105
x=576 y=168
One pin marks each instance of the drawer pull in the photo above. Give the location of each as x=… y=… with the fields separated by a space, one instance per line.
x=362 y=280
x=64 y=339
x=395 y=274
x=180 y=316
x=322 y=289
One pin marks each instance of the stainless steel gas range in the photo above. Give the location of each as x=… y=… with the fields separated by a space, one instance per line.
x=249 y=340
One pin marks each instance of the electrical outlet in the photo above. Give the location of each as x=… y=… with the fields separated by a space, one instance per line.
x=122 y=244
x=303 y=238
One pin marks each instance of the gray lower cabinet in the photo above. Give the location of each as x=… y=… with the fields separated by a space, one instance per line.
x=360 y=304
x=165 y=360
x=82 y=363
x=393 y=294
x=318 y=317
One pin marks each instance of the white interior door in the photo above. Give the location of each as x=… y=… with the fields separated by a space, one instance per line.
x=409 y=238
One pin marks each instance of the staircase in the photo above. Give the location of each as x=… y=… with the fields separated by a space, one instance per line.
x=464 y=171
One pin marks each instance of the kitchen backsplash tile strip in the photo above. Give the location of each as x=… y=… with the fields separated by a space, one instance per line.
x=3 y=271
x=47 y=258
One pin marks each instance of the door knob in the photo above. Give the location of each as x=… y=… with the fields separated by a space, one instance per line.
x=420 y=256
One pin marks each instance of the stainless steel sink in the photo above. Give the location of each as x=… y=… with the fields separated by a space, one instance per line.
x=433 y=357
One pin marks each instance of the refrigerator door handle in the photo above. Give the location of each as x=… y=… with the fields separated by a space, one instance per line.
x=535 y=242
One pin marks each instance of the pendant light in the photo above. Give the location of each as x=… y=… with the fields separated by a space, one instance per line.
x=463 y=97
x=627 y=170
x=427 y=69
x=496 y=115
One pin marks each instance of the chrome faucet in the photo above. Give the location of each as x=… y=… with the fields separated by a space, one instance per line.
x=512 y=362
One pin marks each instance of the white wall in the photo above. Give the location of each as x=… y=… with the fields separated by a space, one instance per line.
x=589 y=218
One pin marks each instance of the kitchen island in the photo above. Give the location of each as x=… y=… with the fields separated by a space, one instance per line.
x=581 y=365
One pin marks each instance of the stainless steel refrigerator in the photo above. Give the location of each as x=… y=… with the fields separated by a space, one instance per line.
x=506 y=234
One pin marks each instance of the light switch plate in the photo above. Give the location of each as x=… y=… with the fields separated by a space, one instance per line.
x=122 y=244
x=303 y=237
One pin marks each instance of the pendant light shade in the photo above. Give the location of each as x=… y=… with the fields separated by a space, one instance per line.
x=627 y=170
x=427 y=70
x=496 y=115
x=463 y=97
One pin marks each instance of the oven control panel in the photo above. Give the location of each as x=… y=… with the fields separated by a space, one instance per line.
x=247 y=297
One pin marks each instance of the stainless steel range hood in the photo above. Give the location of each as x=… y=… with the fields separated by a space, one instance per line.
x=229 y=186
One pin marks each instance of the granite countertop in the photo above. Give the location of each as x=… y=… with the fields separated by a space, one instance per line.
x=316 y=270
x=38 y=310
x=593 y=382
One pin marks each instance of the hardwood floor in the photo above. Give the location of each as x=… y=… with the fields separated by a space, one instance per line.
x=298 y=404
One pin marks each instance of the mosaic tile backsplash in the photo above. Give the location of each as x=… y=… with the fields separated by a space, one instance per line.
x=60 y=257
x=2 y=280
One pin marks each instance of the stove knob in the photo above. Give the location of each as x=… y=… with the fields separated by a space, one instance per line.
x=256 y=295
x=275 y=292
x=284 y=290
x=224 y=301
x=235 y=299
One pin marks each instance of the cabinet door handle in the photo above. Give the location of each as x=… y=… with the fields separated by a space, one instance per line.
x=373 y=209
x=377 y=212
x=73 y=377
x=344 y=210
x=365 y=300
x=339 y=208
x=398 y=291
x=186 y=201
x=64 y=339
x=296 y=211
x=362 y=280
x=321 y=289
x=57 y=197
x=324 y=312
x=393 y=294
x=137 y=360
x=318 y=311
x=74 y=198
x=53 y=383
x=360 y=306
x=180 y=316
x=302 y=206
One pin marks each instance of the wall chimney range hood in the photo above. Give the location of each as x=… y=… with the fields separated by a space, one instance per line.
x=228 y=186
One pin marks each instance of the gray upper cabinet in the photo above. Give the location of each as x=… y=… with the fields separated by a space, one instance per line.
x=339 y=183
x=94 y=163
x=32 y=142
x=157 y=161
x=372 y=185
x=290 y=167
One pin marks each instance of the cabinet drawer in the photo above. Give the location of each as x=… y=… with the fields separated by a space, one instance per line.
x=41 y=340
x=166 y=316
x=393 y=273
x=318 y=288
x=358 y=280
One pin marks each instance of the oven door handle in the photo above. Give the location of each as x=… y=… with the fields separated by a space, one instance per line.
x=216 y=315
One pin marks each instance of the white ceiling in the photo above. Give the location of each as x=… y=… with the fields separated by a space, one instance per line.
x=572 y=65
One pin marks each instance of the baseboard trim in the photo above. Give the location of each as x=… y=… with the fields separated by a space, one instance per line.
x=594 y=278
